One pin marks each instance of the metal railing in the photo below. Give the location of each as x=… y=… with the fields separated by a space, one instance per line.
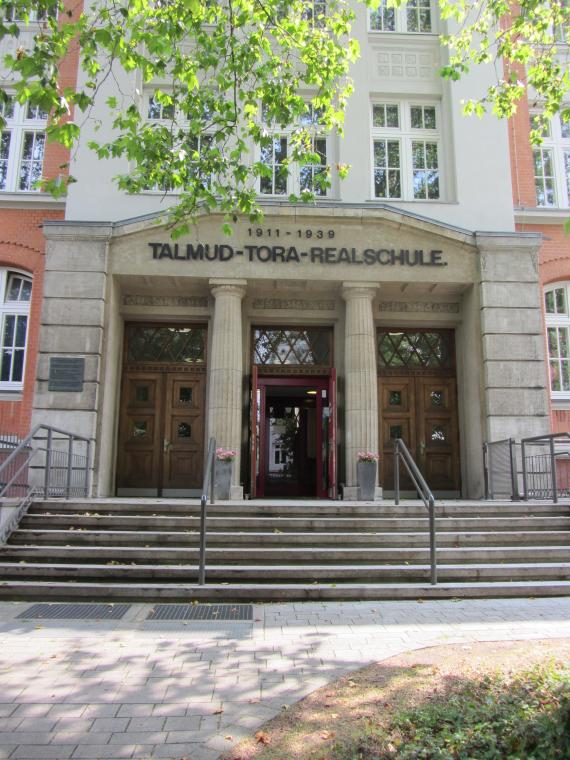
x=500 y=469
x=401 y=453
x=208 y=484
x=542 y=470
x=49 y=461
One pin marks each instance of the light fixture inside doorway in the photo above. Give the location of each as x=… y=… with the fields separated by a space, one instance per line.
x=311 y=393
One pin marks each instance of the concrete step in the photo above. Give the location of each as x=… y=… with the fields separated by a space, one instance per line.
x=310 y=555
x=300 y=508
x=123 y=573
x=279 y=538
x=185 y=592
x=143 y=523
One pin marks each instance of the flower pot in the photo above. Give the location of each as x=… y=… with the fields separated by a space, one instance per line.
x=222 y=480
x=366 y=472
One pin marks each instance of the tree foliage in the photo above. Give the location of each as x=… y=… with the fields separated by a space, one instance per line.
x=224 y=72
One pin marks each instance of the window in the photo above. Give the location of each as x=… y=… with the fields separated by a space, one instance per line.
x=16 y=289
x=558 y=338
x=552 y=163
x=311 y=177
x=11 y=13
x=22 y=146
x=406 y=151
x=164 y=115
x=415 y=16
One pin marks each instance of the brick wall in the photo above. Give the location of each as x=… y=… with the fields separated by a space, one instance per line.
x=22 y=247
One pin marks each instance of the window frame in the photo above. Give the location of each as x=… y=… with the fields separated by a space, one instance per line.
x=293 y=179
x=559 y=321
x=19 y=125
x=401 y=15
x=407 y=135
x=558 y=146
x=20 y=308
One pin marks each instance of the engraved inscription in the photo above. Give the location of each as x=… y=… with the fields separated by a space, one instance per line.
x=188 y=301
x=425 y=306
x=294 y=304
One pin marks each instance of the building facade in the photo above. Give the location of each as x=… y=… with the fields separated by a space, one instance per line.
x=404 y=303
x=25 y=157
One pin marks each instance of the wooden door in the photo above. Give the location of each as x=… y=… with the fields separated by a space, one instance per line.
x=183 y=440
x=331 y=431
x=140 y=431
x=438 y=434
x=397 y=407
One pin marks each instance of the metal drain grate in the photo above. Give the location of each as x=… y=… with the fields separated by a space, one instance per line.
x=212 y=612
x=45 y=611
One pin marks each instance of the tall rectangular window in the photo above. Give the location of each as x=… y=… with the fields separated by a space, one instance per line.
x=552 y=162
x=22 y=147
x=414 y=16
x=383 y=19
x=557 y=318
x=405 y=161
x=418 y=15
x=273 y=157
x=16 y=289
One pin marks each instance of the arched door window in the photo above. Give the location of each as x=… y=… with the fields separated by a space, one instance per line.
x=16 y=290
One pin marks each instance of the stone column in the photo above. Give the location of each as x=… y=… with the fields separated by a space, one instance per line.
x=226 y=371
x=361 y=383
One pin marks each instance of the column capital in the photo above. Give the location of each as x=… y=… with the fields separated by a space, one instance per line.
x=352 y=290
x=219 y=286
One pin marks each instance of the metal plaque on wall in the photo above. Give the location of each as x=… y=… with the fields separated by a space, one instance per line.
x=66 y=374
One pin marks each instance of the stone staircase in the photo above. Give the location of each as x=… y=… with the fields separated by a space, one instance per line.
x=147 y=550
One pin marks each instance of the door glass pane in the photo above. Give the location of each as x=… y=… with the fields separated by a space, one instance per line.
x=139 y=429
x=185 y=395
x=141 y=393
x=395 y=432
x=157 y=343
x=438 y=434
x=184 y=430
x=299 y=346
x=427 y=349
x=436 y=398
x=395 y=398
x=284 y=428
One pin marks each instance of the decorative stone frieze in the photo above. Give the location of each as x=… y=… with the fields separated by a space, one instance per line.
x=191 y=302
x=419 y=306
x=292 y=304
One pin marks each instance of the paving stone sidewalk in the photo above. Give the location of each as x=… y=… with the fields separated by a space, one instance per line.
x=140 y=689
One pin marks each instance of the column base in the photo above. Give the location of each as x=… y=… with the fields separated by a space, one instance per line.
x=351 y=493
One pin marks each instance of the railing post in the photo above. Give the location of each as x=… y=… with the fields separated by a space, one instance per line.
x=486 y=469
x=202 y=560
x=432 y=548
x=553 y=473
x=514 y=469
x=396 y=473
x=69 y=467
x=213 y=480
x=48 y=463
x=525 y=484
x=86 y=472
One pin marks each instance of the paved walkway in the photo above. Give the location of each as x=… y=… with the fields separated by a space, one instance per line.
x=141 y=689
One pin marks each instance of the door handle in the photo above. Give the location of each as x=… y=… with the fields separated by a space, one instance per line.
x=166 y=444
x=422 y=448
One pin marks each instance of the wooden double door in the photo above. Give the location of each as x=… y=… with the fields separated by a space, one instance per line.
x=422 y=410
x=161 y=433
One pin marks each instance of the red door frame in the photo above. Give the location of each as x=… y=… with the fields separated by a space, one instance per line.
x=319 y=383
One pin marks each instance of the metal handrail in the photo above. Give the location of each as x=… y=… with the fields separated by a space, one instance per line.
x=401 y=453
x=208 y=484
x=25 y=445
x=489 y=471
x=550 y=439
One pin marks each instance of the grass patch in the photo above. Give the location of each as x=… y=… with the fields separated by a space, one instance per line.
x=462 y=702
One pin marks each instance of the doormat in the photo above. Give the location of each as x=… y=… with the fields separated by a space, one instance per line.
x=45 y=611
x=211 y=612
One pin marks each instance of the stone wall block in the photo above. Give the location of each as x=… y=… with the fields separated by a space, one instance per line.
x=509 y=266
x=91 y=366
x=515 y=374
x=517 y=427
x=74 y=421
x=86 y=400
x=511 y=295
x=510 y=402
x=513 y=347
x=75 y=256
x=64 y=339
x=75 y=284
x=517 y=321
x=73 y=311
